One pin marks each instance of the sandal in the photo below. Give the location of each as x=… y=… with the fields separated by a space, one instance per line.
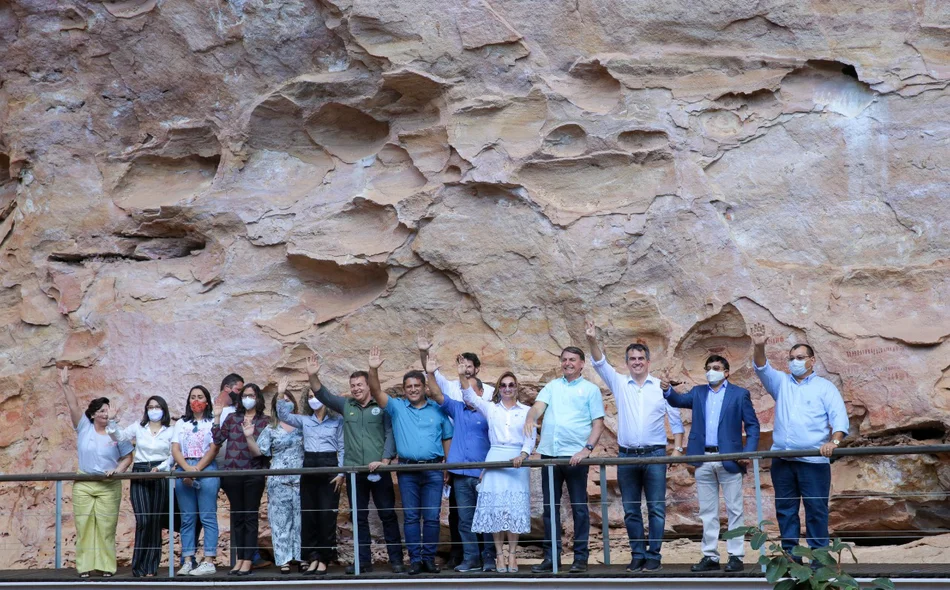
x=285 y=569
x=84 y=575
x=106 y=575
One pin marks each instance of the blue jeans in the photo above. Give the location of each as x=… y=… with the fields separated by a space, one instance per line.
x=199 y=503
x=795 y=483
x=477 y=547
x=635 y=481
x=576 y=479
x=421 y=493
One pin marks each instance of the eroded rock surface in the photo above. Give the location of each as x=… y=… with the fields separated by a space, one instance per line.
x=193 y=188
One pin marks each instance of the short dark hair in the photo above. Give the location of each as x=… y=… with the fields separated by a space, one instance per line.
x=358 y=374
x=471 y=356
x=230 y=380
x=637 y=346
x=96 y=405
x=189 y=414
x=259 y=406
x=811 y=351
x=715 y=358
x=572 y=350
x=414 y=375
x=166 y=419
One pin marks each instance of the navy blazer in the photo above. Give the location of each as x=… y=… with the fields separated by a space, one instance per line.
x=737 y=411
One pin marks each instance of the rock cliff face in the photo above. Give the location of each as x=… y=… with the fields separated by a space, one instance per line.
x=193 y=188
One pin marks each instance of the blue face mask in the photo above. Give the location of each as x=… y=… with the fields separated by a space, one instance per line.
x=797 y=367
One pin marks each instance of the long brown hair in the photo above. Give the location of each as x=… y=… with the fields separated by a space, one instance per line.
x=496 y=397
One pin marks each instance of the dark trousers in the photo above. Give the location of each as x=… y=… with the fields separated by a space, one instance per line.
x=576 y=479
x=384 y=497
x=244 y=493
x=456 y=552
x=318 y=508
x=635 y=482
x=150 y=503
x=477 y=547
x=796 y=483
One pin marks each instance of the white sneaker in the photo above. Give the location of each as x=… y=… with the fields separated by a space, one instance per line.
x=205 y=569
x=186 y=568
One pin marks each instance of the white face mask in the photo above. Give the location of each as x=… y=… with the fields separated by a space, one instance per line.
x=715 y=377
x=155 y=415
x=797 y=367
x=314 y=404
x=248 y=403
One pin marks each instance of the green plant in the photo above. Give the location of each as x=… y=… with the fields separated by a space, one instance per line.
x=786 y=573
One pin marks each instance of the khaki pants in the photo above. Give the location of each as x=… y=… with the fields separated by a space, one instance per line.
x=96 y=511
x=710 y=477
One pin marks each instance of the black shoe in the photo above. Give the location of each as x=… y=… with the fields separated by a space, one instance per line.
x=706 y=564
x=364 y=569
x=250 y=573
x=431 y=567
x=415 y=568
x=636 y=564
x=652 y=565
x=545 y=566
x=578 y=567
x=735 y=564
x=398 y=568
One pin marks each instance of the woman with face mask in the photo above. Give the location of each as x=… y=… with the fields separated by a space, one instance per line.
x=283 y=443
x=504 y=504
x=319 y=494
x=95 y=503
x=240 y=430
x=152 y=437
x=194 y=450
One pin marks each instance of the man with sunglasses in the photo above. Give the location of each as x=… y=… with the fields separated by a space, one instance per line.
x=809 y=414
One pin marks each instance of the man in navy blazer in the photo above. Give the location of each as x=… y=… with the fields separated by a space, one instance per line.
x=720 y=411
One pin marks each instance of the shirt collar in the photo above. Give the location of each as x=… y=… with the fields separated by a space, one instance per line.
x=572 y=383
x=650 y=378
x=722 y=389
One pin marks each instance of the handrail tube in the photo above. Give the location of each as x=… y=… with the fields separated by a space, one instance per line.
x=840 y=452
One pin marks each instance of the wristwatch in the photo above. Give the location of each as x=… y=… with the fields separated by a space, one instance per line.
x=678 y=449
x=836 y=441
x=589 y=447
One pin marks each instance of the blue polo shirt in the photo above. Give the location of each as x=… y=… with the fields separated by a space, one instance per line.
x=569 y=416
x=472 y=442
x=419 y=432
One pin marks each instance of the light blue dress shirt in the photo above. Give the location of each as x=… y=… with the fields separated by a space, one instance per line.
x=569 y=416
x=806 y=413
x=419 y=432
x=714 y=401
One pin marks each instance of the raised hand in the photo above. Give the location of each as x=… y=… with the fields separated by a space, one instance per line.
x=64 y=375
x=462 y=365
x=313 y=366
x=665 y=379
x=423 y=341
x=432 y=365
x=590 y=329
x=375 y=358
x=282 y=384
x=759 y=336
x=248 y=429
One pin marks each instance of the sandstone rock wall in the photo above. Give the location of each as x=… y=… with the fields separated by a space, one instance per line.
x=193 y=187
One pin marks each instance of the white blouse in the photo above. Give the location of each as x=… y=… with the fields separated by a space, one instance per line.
x=505 y=425
x=148 y=447
x=98 y=453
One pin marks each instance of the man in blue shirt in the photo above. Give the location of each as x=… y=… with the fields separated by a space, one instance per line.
x=422 y=432
x=809 y=414
x=573 y=411
x=469 y=445
x=720 y=411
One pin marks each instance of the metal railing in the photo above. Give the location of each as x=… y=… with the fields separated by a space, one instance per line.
x=548 y=464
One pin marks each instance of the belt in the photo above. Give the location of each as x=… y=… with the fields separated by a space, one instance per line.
x=641 y=450
x=320 y=453
x=712 y=449
x=414 y=462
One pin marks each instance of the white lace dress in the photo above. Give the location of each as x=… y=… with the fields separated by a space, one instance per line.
x=504 y=500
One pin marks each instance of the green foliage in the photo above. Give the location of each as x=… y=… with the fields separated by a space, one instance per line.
x=785 y=573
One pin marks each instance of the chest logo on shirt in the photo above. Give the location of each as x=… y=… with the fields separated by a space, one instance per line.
x=374 y=411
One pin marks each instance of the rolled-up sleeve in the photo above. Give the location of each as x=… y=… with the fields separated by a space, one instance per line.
x=676 y=420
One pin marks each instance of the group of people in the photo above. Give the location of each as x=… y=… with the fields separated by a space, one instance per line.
x=458 y=421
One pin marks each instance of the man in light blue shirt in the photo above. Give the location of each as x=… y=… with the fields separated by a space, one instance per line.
x=809 y=414
x=573 y=412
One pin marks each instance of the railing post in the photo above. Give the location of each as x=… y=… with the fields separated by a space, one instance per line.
x=171 y=525
x=758 y=500
x=356 y=526
x=555 y=546
x=58 y=559
x=605 y=524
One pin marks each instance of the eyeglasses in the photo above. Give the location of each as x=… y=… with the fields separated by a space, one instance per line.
x=799 y=357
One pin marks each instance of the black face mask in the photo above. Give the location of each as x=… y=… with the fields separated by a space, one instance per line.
x=235 y=397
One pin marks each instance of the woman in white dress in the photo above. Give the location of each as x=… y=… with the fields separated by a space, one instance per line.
x=504 y=502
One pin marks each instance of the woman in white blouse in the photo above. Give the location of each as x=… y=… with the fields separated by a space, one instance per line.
x=504 y=502
x=95 y=503
x=152 y=437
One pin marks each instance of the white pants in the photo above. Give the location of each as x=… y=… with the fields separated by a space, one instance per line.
x=709 y=478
